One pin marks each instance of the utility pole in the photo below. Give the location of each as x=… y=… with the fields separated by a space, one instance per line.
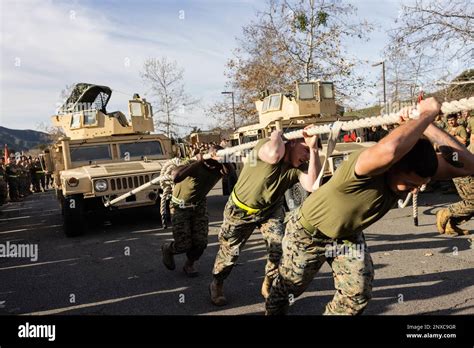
x=233 y=106
x=383 y=79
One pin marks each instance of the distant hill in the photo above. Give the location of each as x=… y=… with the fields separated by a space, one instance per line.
x=22 y=140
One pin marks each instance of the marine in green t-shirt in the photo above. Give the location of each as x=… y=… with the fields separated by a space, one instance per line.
x=256 y=202
x=195 y=187
x=189 y=217
x=261 y=184
x=456 y=130
x=348 y=203
x=328 y=227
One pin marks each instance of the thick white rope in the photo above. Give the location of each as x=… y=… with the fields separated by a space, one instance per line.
x=393 y=118
x=415 y=209
x=403 y=204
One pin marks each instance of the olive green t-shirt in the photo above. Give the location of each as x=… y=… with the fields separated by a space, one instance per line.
x=470 y=123
x=261 y=184
x=440 y=124
x=348 y=203
x=460 y=131
x=195 y=187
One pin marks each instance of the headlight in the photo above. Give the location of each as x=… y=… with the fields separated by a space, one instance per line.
x=337 y=161
x=101 y=185
x=73 y=182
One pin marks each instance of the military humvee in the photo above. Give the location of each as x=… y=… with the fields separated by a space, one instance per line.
x=103 y=155
x=311 y=103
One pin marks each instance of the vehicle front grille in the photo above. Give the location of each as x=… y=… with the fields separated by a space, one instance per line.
x=127 y=183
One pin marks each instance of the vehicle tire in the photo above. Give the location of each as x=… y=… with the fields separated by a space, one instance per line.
x=74 y=222
x=295 y=196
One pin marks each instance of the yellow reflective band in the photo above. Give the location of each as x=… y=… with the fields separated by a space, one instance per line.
x=242 y=205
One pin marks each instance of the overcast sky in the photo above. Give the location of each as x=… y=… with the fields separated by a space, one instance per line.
x=46 y=45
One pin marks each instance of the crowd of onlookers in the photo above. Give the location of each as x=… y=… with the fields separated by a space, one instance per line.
x=21 y=176
x=199 y=147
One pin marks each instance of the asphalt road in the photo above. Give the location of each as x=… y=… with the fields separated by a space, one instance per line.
x=116 y=267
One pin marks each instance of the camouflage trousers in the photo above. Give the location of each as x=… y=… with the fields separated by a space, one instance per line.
x=237 y=228
x=303 y=256
x=190 y=229
x=13 y=191
x=3 y=191
x=462 y=211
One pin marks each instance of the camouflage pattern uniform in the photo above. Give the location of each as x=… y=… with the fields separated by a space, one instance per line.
x=190 y=229
x=303 y=256
x=256 y=202
x=236 y=230
x=463 y=211
x=13 y=172
x=35 y=178
x=3 y=186
x=23 y=179
x=328 y=227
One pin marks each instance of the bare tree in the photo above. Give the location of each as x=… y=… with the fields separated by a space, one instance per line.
x=289 y=41
x=165 y=80
x=435 y=26
x=54 y=133
x=432 y=40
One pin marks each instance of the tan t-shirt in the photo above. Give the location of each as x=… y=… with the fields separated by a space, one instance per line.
x=195 y=187
x=348 y=203
x=261 y=184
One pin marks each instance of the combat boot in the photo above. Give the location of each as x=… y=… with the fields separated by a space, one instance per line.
x=454 y=230
x=266 y=286
x=167 y=256
x=189 y=269
x=216 y=291
x=442 y=218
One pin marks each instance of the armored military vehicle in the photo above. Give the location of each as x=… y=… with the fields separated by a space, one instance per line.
x=103 y=155
x=310 y=103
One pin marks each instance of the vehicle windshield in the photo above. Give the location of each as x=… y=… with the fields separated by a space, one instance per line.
x=141 y=149
x=91 y=153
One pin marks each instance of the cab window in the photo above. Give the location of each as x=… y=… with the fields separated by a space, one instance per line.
x=306 y=91
x=266 y=103
x=327 y=91
x=76 y=120
x=90 y=118
x=275 y=102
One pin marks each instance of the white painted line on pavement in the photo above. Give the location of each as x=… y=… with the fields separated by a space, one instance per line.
x=100 y=303
x=16 y=218
x=14 y=231
x=36 y=264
